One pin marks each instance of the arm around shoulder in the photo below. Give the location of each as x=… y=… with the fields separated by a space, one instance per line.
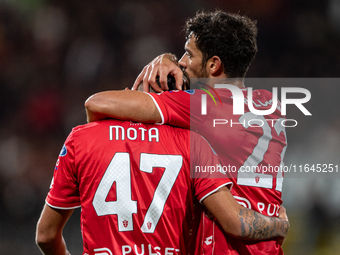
x=244 y=223
x=123 y=104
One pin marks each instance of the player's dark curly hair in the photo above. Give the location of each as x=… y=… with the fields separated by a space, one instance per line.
x=231 y=37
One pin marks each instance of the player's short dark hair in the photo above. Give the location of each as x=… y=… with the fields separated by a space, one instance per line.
x=231 y=37
x=171 y=82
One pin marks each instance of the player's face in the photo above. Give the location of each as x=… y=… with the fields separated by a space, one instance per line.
x=192 y=60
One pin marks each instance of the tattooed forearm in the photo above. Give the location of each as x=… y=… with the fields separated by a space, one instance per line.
x=257 y=226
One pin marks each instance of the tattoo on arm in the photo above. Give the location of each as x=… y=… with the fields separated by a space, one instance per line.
x=257 y=226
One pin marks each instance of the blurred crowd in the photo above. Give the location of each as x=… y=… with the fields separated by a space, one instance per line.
x=55 y=53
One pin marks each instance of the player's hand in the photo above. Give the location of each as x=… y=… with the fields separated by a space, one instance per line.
x=161 y=66
x=283 y=216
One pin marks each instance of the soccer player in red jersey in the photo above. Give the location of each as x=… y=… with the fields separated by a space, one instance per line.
x=219 y=45
x=134 y=186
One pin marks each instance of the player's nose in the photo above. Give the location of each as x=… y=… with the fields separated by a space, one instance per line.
x=182 y=61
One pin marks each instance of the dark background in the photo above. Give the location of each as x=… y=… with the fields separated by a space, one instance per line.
x=55 y=54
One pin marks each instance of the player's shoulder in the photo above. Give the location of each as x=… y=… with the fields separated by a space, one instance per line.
x=177 y=136
x=264 y=92
x=177 y=131
x=96 y=125
x=196 y=139
x=260 y=94
x=80 y=128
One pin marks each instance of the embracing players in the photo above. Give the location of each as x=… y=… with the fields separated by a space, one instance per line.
x=219 y=45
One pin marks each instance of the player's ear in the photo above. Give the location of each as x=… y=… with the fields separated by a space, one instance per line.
x=215 y=66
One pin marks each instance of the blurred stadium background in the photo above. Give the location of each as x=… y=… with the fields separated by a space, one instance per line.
x=56 y=53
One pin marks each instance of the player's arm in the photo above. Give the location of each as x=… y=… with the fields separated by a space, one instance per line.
x=49 y=236
x=125 y=105
x=242 y=222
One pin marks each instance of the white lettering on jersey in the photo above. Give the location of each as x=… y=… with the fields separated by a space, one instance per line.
x=127 y=249
x=208 y=240
x=102 y=251
x=243 y=201
x=119 y=133
x=142 y=249
x=157 y=249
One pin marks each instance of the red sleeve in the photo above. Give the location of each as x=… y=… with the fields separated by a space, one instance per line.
x=180 y=108
x=174 y=107
x=64 y=193
x=205 y=165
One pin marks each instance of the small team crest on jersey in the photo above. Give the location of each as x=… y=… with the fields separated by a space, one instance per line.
x=63 y=151
x=257 y=179
x=190 y=91
x=125 y=223
x=149 y=224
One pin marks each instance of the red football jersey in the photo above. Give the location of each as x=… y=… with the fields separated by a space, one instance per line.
x=133 y=184
x=251 y=148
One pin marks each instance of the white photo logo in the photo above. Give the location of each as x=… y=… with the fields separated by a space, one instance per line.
x=239 y=100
